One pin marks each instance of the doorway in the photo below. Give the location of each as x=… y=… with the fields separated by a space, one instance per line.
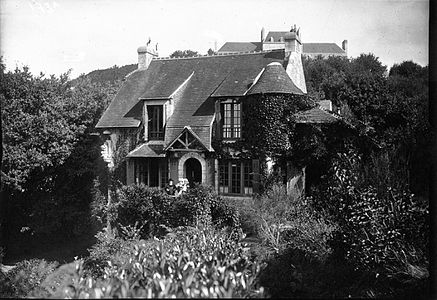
x=193 y=171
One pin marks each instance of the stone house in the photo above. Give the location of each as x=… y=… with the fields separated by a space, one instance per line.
x=170 y=111
x=276 y=40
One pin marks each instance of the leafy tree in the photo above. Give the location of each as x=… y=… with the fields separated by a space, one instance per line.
x=50 y=158
x=184 y=53
x=211 y=52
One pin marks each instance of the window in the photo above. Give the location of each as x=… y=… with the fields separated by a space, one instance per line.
x=231 y=119
x=156 y=124
x=235 y=177
x=152 y=172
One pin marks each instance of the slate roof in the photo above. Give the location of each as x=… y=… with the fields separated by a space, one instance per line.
x=240 y=47
x=322 y=48
x=274 y=79
x=211 y=76
x=308 y=48
x=315 y=115
x=147 y=150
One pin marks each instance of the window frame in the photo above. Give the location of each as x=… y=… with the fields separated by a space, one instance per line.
x=227 y=179
x=155 y=115
x=231 y=111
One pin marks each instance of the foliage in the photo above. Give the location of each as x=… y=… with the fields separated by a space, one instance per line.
x=393 y=109
x=290 y=221
x=112 y=247
x=149 y=207
x=201 y=206
x=267 y=122
x=188 y=263
x=155 y=211
x=385 y=232
x=211 y=52
x=114 y=74
x=50 y=158
x=184 y=53
x=25 y=278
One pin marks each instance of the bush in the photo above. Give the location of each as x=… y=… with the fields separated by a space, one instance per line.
x=25 y=279
x=383 y=231
x=148 y=207
x=112 y=247
x=201 y=206
x=186 y=263
x=155 y=212
x=290 y=221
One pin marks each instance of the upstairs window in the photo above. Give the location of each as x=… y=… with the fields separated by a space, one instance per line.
x=156 y=124
x=231 y=119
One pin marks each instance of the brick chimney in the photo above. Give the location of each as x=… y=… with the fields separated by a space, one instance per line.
x=145 y=55
x=293 y=56
x=344 y=46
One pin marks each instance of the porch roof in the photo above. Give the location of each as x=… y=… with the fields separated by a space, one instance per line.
x=146 y=150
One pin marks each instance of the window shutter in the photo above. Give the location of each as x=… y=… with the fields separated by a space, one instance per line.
x=218 y=120
x=256 y=175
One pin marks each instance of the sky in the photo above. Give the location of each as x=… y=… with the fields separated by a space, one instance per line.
x=57 y=35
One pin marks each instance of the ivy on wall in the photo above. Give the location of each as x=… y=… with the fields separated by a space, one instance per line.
x=266 y=124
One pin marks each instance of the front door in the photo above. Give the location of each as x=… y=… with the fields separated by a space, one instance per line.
x=193 y=171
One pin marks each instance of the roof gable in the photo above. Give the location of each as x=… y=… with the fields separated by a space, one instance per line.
x=187 y=140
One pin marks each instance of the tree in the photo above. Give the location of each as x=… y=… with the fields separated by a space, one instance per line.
x=184 y=53
x=50 y=159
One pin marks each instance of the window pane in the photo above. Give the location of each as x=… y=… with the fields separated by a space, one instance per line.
x=223 y=177
x=248 y=189
x=236 y=177
x=156 y=125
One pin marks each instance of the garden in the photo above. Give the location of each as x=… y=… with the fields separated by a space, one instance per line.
x=360 y=230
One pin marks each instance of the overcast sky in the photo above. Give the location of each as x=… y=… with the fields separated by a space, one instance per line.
x=54 y=36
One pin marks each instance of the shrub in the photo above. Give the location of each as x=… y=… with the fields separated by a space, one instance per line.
x=25 y=279
x=112 y=247
x=383 y=231
x=155 y=211
x=290 y=221
x=149 y=207
x=186 y=263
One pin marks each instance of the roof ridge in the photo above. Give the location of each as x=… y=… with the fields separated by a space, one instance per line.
x=218 y=54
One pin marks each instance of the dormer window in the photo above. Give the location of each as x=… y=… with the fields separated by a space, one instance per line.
x=281 y=39
x=156 y=123
x=271 y=39
x=231 y=119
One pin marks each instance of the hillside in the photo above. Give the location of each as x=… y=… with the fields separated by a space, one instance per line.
x=111 y=75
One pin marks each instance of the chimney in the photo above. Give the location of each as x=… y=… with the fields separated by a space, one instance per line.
x=344 y=46
x=292 y=42
x=262 y=34
x=145 y=55
x=293 y=57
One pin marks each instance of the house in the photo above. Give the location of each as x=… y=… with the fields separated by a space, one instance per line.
x=276 y=40
x=169 y=111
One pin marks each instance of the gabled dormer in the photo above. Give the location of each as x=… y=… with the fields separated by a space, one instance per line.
x=157 y=111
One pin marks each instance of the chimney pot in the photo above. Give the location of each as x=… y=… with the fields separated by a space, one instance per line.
x=145 y=55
